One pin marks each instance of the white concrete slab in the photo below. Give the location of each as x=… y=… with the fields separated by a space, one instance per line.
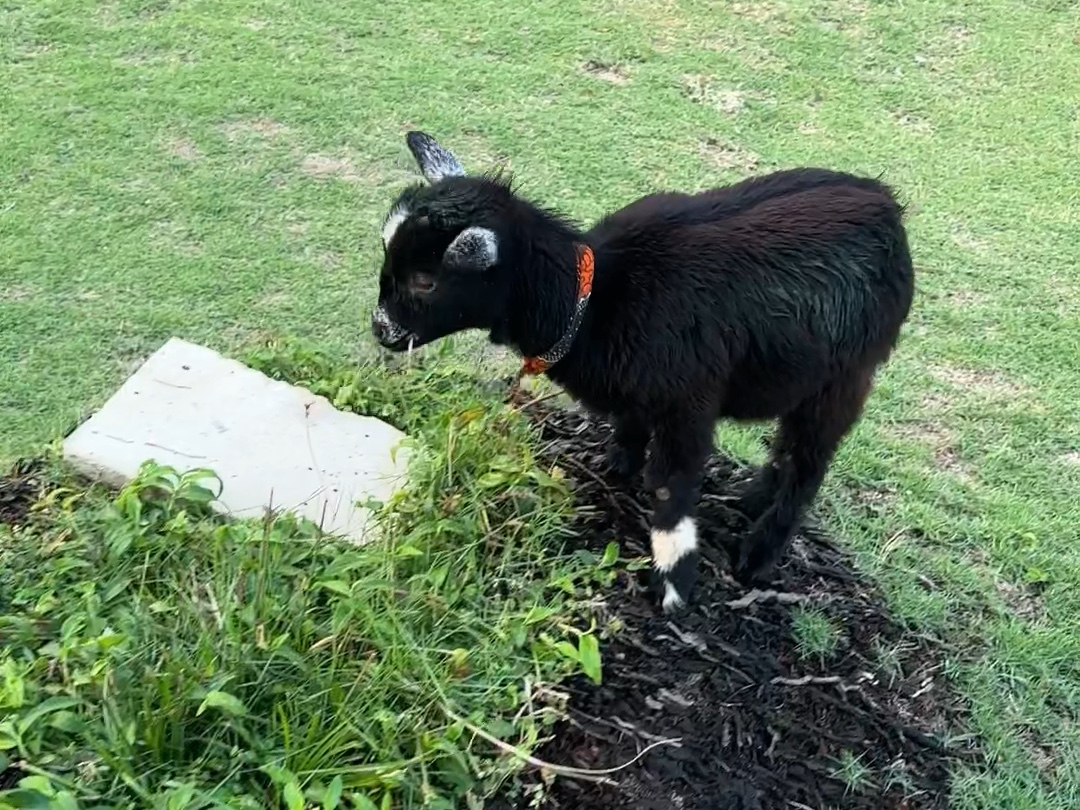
x=272 y=444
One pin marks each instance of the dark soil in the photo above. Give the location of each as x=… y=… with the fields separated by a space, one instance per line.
x=758 y=725
x=19 y=489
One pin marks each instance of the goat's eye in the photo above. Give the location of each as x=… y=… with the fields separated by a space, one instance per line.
x=421 y=284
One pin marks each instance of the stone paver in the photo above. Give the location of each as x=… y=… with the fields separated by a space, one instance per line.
x=272 y=444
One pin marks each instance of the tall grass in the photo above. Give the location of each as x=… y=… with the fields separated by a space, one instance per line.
x=157 y=655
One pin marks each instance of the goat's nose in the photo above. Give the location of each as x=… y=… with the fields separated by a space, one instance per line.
x=378 y=325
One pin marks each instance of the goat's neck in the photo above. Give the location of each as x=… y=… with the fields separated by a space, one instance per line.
x=543 y=296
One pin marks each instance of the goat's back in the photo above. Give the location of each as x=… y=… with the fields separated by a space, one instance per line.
x=790 y=276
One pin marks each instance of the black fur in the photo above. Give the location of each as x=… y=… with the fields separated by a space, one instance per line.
x=775 y=298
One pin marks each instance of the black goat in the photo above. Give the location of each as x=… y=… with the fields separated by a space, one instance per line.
x=777 y=297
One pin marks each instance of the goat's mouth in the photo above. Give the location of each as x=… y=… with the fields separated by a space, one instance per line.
x=406 y=342
x=391 y=335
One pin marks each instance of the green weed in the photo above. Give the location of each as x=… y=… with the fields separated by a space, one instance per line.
x=814 y=633
x=157 y=655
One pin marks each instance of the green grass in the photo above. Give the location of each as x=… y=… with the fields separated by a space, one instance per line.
x=814 y=633
x=852 y=772
x=157 y=656
x=219 y=170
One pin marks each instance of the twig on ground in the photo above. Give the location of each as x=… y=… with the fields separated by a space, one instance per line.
x=817 y=680
x=605 y=487
x=538 y=400
x=629 y=728
x=563 y=770
x=689 y=639
x=767 y=596
x=775 y=738
x=927 y=685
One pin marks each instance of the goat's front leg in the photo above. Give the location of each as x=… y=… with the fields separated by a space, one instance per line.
x=674 y=477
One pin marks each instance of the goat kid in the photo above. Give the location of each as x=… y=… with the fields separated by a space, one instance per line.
x=774 y=298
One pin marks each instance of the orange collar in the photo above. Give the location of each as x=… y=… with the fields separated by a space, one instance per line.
x=532 y=366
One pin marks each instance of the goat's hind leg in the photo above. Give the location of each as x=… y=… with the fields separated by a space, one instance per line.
x=674 y=477
x=756 y=494
x=626 y=451
x=802 y=451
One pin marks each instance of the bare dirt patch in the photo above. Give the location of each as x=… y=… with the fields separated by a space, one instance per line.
x=1044 y=757
x=1071 y=459
x=20 y=489
x=183 y=148
x=845 y=17
x=947 y=459
x=936 y=403
x=611 y=73
x=764 y=11
x=912 y=122
x=1022 y=600
x=702 y=89
x=875 y=501
x=331 y=167
x=744 y=721
x=964 y=299
x=728 y=156
x=348 y=166
x=266 y=128
x=986 y=384
x=16 y=293
x=328 y=259
x=960 y=34
x=963 y=237
x=174 y=236
x=941 y=441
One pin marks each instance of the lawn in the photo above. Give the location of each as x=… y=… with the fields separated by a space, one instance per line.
x=218 y=171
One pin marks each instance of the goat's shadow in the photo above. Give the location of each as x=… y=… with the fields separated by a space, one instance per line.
x=751 y=718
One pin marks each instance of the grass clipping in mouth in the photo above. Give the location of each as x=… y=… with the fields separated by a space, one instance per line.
x=157 y=655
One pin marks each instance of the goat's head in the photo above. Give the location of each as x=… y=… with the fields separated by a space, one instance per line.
x=441 y=253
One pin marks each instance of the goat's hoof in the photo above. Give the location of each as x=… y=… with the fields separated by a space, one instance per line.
x=623 y=463
x=673 y=588
x=754 y=563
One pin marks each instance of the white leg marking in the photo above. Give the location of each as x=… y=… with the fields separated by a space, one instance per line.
x=672 y=600
x=670 y=547
x=393 y=222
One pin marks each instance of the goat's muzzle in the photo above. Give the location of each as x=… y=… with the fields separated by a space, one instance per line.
x=390 y=334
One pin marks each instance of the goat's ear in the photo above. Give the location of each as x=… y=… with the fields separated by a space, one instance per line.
x=474 y=248
x=434 y=161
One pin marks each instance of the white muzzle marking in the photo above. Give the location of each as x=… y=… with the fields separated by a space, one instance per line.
x=391 y=331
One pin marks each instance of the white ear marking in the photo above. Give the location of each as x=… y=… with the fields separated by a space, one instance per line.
x=435 y=161
x=397 y=216
x=474 y=247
